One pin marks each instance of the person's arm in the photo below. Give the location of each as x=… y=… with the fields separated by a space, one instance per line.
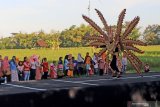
x=47 y=65
x=27 y=65
x=85 y=59
x=82 y=58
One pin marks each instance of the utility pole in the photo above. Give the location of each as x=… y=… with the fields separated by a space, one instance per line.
x=89 y=8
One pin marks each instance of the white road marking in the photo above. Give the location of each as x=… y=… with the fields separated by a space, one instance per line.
x=76 y=82
x=82 y=82
x=20 y=86
x=121 y=78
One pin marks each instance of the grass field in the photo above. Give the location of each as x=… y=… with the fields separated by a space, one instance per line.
x=151 y=55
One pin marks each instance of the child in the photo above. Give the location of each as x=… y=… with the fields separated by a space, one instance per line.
x=124 y=63
x=119 y=64
x=45 y=68
x=109 y=67
x=53 y=72
x=20 y=70
x=146 y=68
x=91 y=70
x=71 y=68
x=101 y=66
x=60 y=73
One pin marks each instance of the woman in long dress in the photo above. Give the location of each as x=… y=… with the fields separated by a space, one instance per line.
x=53 y=71
x=1 y=70
x=13 y=68
x=6 y=68
x=38 y=69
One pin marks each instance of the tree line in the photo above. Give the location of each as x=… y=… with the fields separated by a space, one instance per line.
x=72 y=37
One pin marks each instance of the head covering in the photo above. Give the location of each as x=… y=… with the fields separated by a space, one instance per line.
x=80 y=59
x=6 y=58
x=5 y=63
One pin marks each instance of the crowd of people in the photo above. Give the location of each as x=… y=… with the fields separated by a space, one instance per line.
x=35 y=69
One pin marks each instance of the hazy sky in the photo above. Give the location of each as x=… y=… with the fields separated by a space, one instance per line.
x=34 y=15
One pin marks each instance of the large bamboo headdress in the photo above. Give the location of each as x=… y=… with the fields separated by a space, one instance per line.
x=116 y=40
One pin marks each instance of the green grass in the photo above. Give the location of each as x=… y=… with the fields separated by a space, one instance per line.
x=151 y=55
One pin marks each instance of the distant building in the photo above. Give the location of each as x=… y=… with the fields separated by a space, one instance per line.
x=41 y=43
x=14 y=33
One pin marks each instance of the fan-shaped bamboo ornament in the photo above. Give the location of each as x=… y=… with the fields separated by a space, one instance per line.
x=116 y=39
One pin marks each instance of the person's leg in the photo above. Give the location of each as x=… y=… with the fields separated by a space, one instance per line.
x=71 y=73
x=8 y=78
x=101 y=72
x=66 y=72
x=118 y=72
x=87 y=69
x=81 y=70
x=45 y=75
x=31 y=74
x=25 y=75
x=95 y=71
x=28 y=75
x=87 y=72
x=34 y=74
x=125 y=68
x=30 y=78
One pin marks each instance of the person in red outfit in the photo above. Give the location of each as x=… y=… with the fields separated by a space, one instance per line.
x=45 y=69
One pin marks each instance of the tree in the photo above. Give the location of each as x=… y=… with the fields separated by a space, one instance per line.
x=135 y=34
x=151 y=34
x=150 y=38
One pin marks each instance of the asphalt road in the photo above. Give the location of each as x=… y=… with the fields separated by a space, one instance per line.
x=67 y=83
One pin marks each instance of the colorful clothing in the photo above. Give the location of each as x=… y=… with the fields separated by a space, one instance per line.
x=45 y=70
x=124 y=64
x=14 y=73
x=119 y=64
x=45 y=66
x=38 y=71
x=66 y=64
x=60 y=70
x=1 y=71
x=101 y=66
x=26 y=66
x=71 y=68
x=20 y=72
x=70 y=73
x=53 y=73
x=5 y=64
x=26 y=71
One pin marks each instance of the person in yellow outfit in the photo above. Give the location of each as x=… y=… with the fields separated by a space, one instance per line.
x=71 y=68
